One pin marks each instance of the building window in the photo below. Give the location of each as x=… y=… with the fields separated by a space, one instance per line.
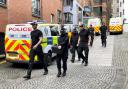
x=123 y=1
x=2 y=2
x=97 y=11
x=111 y=10
x=123 y=11
x=59 y=17
x=97 y=1
x=117 y=1
x=120 y=14
x=36 y=8
x=68 y=2
x=120 y=4
x=68 y=17
x=117 y=9
x=52 y=18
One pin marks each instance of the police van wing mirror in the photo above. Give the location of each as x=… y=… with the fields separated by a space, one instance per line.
x=55 y=44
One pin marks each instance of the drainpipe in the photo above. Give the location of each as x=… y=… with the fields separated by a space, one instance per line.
x=62 y=22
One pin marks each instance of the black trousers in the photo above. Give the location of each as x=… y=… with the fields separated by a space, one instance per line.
x=33 y=52
x=86 y=52
x=91 y=42
x=74 y=53
x=103 y=40
x=64 y=60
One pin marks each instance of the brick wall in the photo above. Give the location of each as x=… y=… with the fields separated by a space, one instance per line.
x=3 y=18
x=19 y=11
x=51 y=7
x=84 y=2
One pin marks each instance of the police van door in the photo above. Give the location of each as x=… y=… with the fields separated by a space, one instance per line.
x=47 y=38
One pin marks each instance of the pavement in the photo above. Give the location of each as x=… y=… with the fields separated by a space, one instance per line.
x=107 y=69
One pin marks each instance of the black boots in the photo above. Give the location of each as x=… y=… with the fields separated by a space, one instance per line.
x=59 y=74
x=72 y=60
x=45 y=72
x=27 y=77
x=82 y=61
x=78 y=59
x=63 y=74
x=86 y=64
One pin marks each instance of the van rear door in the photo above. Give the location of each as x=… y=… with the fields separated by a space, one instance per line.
x=17 y=42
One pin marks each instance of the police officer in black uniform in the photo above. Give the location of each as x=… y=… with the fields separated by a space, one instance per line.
x=36 y=49
x=91 y=29
x=73 y=43
x=63 y=42
x=103 y=30
x=83 y=44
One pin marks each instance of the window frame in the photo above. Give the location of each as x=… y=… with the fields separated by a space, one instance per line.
x=52 y=18
x=59 y=16
x=69 y=18
x=36 y=8
x=117 y=9
x=3 y=4
x=120 y=4
x=123 y=11
x=68 y=2
x=117 y=1
x=100 y=1
x=120 y=14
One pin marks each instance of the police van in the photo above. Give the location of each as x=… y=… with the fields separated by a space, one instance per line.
x=116 y=25
x=96 y=23
x=17 y=41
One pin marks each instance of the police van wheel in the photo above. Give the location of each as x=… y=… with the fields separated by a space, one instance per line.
x=49 y=58
x=111 y=33
x=121 y=32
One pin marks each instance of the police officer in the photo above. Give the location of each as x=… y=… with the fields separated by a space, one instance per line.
x=63 y=45
x=73 y=43
x=91 y=29
x=36 y=49
x=83 y=44
x=103 y=30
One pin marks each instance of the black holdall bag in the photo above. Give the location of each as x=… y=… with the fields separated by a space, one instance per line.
x=55 y=49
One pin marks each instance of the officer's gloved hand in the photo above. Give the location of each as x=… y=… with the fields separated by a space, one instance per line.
x=59 y=47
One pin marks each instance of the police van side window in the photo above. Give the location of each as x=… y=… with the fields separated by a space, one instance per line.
x=45 y=30
x=54 y=31
x=25 y=36
x=13 y=35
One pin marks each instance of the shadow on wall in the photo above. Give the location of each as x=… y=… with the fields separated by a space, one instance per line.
x=2 y=46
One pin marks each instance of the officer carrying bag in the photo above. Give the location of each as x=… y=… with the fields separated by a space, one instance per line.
x=55 y=49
